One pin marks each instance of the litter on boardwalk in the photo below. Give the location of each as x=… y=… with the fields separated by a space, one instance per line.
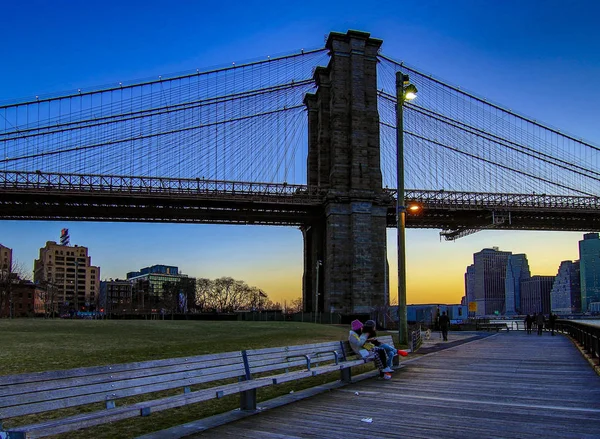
x=356 y=393
x=367 y=420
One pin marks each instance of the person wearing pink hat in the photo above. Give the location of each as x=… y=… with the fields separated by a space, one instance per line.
x=391 y=352
x=367 y=350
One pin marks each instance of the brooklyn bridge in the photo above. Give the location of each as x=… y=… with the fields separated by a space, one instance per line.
x=309 y=140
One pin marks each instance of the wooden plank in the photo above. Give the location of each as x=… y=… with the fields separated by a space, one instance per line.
x=508 y=385
x=38 y=386
x=85 y=420
x=293 y=348
x=85 y=371
x=291 y=361
x=73 y=401
x=143 y=385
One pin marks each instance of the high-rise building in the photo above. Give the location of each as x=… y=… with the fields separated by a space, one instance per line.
x=5 y=259
x=565 y=296
x=517 y=270
x=470 y=284
x=589 y=269
x=490 y=281
x=535 y=294
x=116 y=297
x=149 y=283
x=67 y=273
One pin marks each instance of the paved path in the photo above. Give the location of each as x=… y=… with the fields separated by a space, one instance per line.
x=509 y=385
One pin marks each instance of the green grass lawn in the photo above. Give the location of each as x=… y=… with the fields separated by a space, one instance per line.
x=39 y=345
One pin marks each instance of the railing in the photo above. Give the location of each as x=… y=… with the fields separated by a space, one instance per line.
x=415 y=340
x=586 y=334
x=164 y=186
x=156 y=186
x=478 y=200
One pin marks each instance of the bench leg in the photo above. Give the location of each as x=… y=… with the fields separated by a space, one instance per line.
x=346 y=375
x=248 y=399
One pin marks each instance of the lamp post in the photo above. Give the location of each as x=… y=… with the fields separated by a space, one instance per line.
x=316 y=307
x=405 y=91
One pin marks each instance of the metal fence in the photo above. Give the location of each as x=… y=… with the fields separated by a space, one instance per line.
x=586 y=334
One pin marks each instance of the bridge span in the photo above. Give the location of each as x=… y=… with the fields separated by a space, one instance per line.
x=88 y=197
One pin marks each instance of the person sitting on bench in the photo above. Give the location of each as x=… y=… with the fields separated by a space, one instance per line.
x=367 y=350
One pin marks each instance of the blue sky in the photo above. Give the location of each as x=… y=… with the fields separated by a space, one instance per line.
x=539 y=58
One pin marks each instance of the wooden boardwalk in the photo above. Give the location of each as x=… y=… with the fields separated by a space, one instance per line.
x=509 y=385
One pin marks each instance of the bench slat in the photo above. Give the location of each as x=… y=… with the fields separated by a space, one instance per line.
x=292 y=348
x=84 y=371
x=234 y=370
x=84 y=420
x=112 y=377
x=73 y=401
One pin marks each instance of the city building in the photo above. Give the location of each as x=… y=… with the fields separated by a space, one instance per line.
x=116 y=297
x=535 y=294
x=489 y=285
x=517 y=270
x=5 y=259
x=470 y=285
x=8 y=280
x=428 y=314
x=153 y=287
x=589 y=269
x=27 y=299
x=565 y=296
x=67 y=275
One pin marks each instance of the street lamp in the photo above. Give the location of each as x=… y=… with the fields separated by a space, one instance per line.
x=316 y=307
x=405 y=91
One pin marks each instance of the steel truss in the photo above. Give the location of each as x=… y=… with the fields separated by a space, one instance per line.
x=55 y=196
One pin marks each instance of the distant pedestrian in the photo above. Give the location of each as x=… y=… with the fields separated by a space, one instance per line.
x=552 y=322
x=528 y=322
x=540 y=319
x=444 y=325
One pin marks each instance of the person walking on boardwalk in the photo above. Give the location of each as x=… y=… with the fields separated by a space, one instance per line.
x=540 y=323
x=552 y=323
x=444 y=325
x=359 y=343
x=528 y=322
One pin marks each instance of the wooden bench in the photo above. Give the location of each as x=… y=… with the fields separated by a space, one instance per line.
x=246 y=371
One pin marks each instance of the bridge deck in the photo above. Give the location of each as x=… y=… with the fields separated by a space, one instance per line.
x=508 y=385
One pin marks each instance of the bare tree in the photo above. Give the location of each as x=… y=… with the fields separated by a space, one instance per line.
x=203 y=294
x=47 y=294
x=170 y=296
x=221 y=293
x=296 y=305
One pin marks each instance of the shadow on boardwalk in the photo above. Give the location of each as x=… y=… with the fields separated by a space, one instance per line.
x=509 y=385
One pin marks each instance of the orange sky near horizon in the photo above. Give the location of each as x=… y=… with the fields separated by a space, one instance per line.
x=435 y=269
x=271 y=259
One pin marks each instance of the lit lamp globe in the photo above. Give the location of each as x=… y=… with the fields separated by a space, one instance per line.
x=410 y=92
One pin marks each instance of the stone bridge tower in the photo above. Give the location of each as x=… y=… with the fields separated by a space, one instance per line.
x=345 y=251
